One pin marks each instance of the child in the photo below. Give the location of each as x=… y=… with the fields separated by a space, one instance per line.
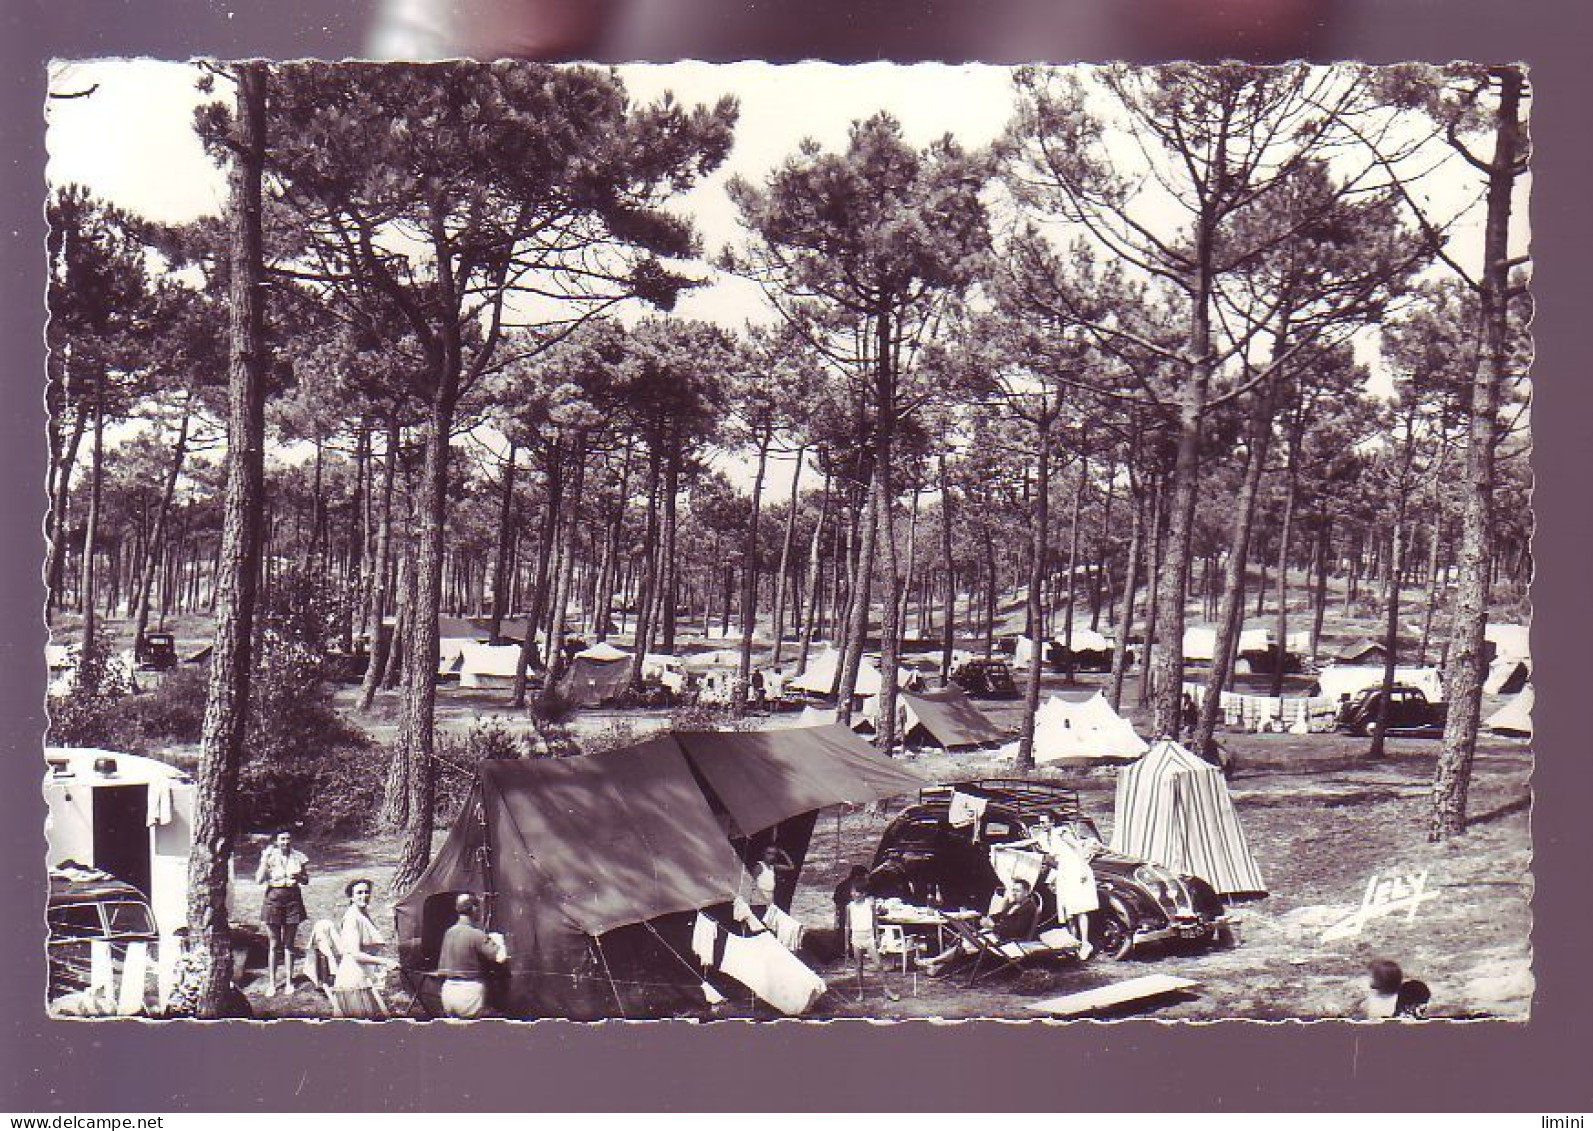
x=1413 y=1000
x=1383 y=997
x=862 y=935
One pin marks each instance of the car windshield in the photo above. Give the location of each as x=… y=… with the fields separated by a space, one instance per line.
x=128 y=919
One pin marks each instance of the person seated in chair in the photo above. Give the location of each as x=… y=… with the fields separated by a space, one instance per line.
x=1012 y=918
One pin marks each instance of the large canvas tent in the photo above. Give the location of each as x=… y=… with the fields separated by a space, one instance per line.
x=944 y=717
x=1515 y=717
x=1083 y=731
x=595 y=868
x=1173 y=809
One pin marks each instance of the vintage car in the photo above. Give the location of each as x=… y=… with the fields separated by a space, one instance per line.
x=88 y=907
x=923 y=859
x=986 y=679
x=156 y=652
x=1410 y=713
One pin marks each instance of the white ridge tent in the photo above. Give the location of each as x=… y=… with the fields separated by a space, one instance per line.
x=1515 y=717
x=1510 y=641
x=1173 y=809
x=1081 y=732
x=486 y=665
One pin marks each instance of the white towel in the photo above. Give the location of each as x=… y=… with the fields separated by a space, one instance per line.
x=135 y=977
x=772 y=972
x=786 y=928
x=703 y=935
x=158 y=810
x=966 y=809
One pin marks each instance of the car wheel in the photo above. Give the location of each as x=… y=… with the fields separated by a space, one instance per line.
x=1112 y=932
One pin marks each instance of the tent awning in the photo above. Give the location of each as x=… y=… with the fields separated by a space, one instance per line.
x=622 y=837
x=765 y=777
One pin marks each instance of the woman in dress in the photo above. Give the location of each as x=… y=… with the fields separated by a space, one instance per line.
x=1074 y=881
x=354 y=992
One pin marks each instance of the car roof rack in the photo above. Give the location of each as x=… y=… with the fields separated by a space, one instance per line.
x=1022 y=794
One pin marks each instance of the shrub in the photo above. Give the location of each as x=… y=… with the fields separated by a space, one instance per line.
x=174 y=711
x=90 y=712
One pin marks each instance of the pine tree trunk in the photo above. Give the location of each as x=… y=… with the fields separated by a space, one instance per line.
x=500 y=571
x=91 y=528
x=668 y=567
x=1039 y=539
x=1073 y=569
x=58 y=510
x=380 y=643
x=1230 y=615
x=857 y=624
x=157 y=536
x=207 y=977
x=1125 y=621
x=539 y=587
x=948 y=641
x=646 y=580
x=749 y=584
x=561 y=590
x=782 y=582
x=1285 y=532
x=1391 y=638
x=1466 y=667
x=815 y=571
x=1153 y=565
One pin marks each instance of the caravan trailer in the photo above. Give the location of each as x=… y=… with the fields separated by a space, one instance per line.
x=125 y=815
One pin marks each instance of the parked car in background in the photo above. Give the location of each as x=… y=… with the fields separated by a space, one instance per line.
x=924 y=859
x=986 y=679
x=1410 y=713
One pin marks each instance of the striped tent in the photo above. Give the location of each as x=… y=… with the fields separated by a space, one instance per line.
x=1173 y=809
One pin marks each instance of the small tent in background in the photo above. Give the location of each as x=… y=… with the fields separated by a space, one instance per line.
x=1173 y=809
x=1365 y=652
x=1082 y=731
x=1200 y=645
x=1253 y=640
x=1506 y=677
x=944 y=717
x=818 y=678
x=487 y=665
x=1510 y=642
x=1515 y=717
x=596 y=676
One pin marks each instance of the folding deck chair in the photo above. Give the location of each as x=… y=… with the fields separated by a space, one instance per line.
x=1004 y=954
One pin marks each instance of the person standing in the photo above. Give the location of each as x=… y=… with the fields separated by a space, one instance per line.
x=772 y=867
x=462 y=963
x=283 y=871
x=354 y=992
x=1074 y=881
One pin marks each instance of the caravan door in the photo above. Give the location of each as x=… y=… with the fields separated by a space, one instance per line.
x=121 y=834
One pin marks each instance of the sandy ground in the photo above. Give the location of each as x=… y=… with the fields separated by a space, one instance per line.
x=1320 y=817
